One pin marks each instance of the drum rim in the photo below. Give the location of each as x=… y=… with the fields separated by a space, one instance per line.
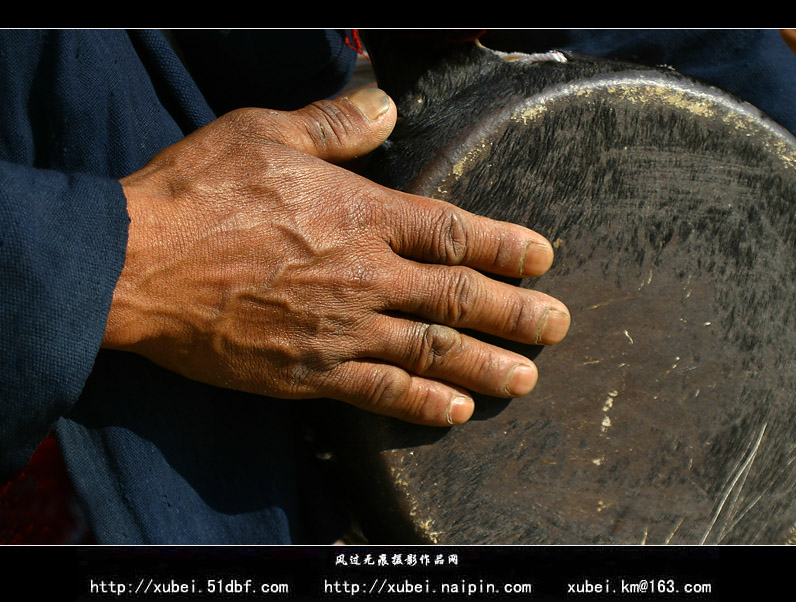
x=453 y=154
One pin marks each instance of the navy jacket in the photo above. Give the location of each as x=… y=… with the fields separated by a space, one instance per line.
x=154 y=457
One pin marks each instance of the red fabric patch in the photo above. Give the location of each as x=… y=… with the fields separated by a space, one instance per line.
x=39 y=506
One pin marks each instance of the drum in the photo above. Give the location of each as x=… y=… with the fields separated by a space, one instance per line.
x=668 y=414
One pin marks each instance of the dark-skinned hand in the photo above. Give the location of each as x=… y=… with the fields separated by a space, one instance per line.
x=255 y=263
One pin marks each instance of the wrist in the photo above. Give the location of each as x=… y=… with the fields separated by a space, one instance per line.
x=130 y=321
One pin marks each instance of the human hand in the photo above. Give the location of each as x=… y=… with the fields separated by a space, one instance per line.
x=256 y=264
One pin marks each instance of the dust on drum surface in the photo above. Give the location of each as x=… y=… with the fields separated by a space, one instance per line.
x=666 y=414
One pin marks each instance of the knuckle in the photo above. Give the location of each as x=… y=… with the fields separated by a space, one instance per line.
x=387 y=389
x=435 y=344
x=298 y=380
x=247 y=120
x=421 y=407
x=327 y=125
x=460 y=302
x=503 y=251
x=365 y=282
x=363 y=276
x=255 y=126
x=450 y=237
x=519 y=316
x=366 y=213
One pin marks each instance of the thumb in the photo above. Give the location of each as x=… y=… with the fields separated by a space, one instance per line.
x=338 y=130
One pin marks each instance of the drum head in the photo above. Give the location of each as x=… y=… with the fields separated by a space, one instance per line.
x=668 y=414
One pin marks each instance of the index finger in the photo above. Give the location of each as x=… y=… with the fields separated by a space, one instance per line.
x=434 y=231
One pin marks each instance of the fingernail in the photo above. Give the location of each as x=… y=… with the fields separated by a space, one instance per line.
x=372 y=102
x=521 y=379
x=459 y=410
x=553 y=327
x=537 y=260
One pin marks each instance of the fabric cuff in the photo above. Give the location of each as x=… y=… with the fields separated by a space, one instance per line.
x=62 y=248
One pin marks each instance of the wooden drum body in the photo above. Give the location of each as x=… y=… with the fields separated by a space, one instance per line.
x=668 y=414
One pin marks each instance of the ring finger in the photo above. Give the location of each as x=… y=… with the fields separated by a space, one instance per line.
x=443 y=353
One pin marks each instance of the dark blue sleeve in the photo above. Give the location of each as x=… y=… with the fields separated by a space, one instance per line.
x=78 y=111
x=62 y=246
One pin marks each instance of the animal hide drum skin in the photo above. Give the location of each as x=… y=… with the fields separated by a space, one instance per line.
x=667 y=414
